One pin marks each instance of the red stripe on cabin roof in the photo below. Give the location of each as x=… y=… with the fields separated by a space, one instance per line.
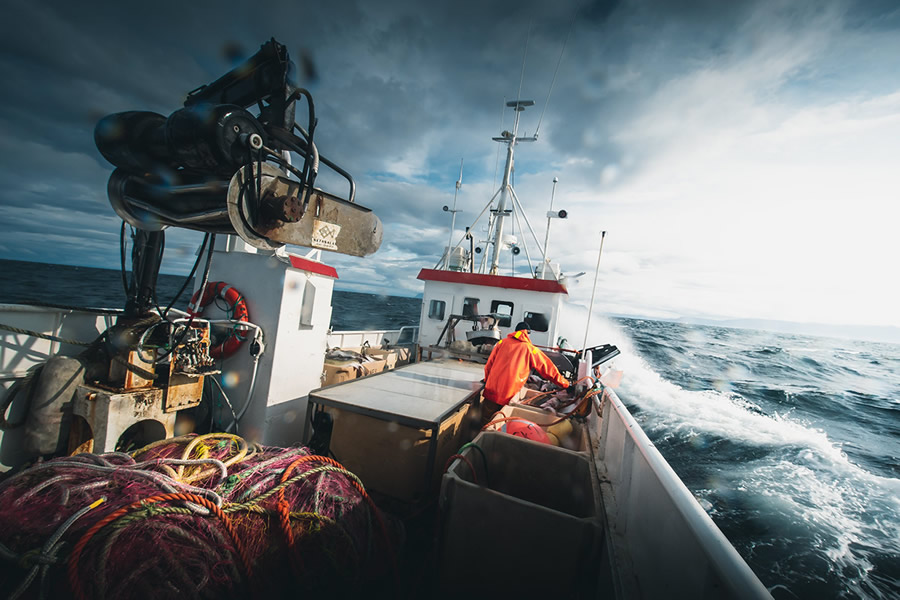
x=496 y=281
x=298 y=262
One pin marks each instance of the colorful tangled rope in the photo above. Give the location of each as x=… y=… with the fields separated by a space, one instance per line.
x=191 y=516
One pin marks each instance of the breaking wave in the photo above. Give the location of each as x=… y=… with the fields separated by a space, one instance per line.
x=789 y=442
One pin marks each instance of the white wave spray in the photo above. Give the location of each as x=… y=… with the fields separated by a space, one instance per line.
x=846 y=514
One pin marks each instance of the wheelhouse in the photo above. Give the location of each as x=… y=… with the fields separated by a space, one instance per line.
x=508 y=300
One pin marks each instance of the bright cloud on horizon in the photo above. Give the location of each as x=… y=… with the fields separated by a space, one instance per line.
x=789 y=223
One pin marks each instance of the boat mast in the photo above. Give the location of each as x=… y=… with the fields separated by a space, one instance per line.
x=501 y=212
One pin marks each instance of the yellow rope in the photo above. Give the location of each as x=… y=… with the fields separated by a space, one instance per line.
x=203 y=452
x=203 y=448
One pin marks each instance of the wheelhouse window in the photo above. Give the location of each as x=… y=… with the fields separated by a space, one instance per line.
x=436 y=309
x=504 y=311
x=470 y=307
x=537 y=321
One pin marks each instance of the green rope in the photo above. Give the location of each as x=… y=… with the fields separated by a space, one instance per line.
x=228 y=485
x=483 y=458
x=148 y=511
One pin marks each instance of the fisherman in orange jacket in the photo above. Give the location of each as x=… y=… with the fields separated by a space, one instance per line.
x=508 y=368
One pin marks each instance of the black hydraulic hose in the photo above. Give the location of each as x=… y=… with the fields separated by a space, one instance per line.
x=334 y=167
x=308 y=178
x=175 y=343
x=300 y=150
x=312 y=108
x=189 y=278
x=209 y=252
x=276 y=157
x=259 y=161
x=159 y=257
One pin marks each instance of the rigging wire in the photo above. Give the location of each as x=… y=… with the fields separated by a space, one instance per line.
x=190 y=277
x=497 y=159
x=555 y=73
x=524 y=56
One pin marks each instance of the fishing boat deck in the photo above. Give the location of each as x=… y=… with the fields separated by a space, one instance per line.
x=396 y=429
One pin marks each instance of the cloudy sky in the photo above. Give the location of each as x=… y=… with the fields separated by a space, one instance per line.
x=744 y=157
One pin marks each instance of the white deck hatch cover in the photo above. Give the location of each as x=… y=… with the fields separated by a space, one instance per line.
x=418 y=395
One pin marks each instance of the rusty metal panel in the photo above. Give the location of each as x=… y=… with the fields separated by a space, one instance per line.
x=189 y=363
x=183 y=391
x=104 y=415
x=121 y=376
x=133 y=380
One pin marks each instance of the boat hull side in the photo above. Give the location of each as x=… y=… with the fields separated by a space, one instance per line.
x=664 y=544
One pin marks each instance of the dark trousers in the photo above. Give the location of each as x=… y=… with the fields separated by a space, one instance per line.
x=489 y=408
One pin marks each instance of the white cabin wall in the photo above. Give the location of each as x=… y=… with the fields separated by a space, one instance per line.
x=299 y=355
x=455 y=293
x=430 y=329
x=292 y=362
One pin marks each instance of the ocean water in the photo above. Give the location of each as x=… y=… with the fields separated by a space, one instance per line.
x=791 y=443
x=35 y=283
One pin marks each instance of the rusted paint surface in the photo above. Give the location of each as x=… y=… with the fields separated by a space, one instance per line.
x=183 y=392
x=134 y=380
x=108 y=413
x=143 y=402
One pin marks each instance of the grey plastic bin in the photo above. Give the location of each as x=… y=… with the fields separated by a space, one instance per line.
x=528 y=527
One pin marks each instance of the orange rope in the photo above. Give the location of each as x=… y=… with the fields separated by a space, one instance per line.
x=79 y=547
x=465 y=460
x=531 y=401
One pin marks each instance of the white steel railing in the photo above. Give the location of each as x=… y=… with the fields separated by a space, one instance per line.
x=19 y=351
x=375 y=337
x=675 y=548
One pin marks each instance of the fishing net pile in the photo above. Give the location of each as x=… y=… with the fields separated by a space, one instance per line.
x=196 y=516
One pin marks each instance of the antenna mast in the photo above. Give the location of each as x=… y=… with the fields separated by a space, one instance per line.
x=453 y=212
x=505 y=191
x=547 y=236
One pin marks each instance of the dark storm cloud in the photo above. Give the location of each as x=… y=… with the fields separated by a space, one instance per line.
x=403 y=91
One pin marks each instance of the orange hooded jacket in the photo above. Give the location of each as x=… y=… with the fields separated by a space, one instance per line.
x=510 y=364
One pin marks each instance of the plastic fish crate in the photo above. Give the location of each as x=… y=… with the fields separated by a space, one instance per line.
x=392 y=459
x=532 y=511
x=576 y=440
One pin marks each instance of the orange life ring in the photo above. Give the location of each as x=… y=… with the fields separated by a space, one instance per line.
x=238 y=307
